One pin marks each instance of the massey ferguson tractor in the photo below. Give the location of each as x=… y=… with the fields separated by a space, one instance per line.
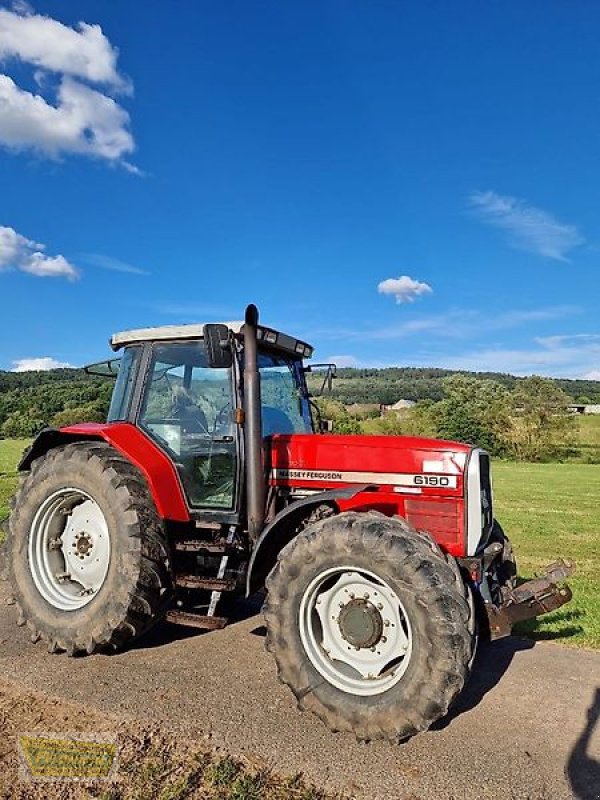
x=380 y=556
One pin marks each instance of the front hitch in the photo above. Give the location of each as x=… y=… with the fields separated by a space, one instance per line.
x=538 y=596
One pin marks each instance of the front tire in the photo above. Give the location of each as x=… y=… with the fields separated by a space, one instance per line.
x=88 y=558
x=369 y=626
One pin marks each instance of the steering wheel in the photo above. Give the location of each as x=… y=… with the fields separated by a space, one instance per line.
x=189 y=414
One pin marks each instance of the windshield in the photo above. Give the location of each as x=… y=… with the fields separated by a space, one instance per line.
x=285 y=405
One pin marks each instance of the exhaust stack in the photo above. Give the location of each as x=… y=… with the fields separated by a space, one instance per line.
x=255 y=478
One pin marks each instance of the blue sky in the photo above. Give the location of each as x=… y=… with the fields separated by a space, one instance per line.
x=398 y=183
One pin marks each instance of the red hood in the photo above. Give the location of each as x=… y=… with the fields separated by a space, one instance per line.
x=367 y=454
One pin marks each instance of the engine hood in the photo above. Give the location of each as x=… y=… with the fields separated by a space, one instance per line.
x=326 y=460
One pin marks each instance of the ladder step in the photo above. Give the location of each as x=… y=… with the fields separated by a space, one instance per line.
x=211 y=584
x=199 y=546
x=196 y=620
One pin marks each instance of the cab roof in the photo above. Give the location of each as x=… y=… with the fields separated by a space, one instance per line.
x=171 y=333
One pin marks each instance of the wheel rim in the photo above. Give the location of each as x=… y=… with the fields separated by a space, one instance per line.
x=355 y=630
x=69 y=549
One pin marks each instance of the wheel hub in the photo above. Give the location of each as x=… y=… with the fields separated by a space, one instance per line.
x=355 y=631
x=361 y=624
x=83 y=544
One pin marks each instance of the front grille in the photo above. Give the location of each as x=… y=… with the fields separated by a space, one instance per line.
x=439 y=517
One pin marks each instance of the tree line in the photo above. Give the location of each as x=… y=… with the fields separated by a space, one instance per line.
x=30 y=401
x=415 y=383
x=530 y=421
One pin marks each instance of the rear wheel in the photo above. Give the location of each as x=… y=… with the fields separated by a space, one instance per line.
x=87 y=553
x=369 y=625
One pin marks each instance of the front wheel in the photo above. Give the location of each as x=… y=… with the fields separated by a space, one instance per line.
x=369 y=626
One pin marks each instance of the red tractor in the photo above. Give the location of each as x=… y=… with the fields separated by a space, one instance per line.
x=380 y=556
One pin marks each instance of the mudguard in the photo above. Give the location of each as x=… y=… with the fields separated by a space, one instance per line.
x=282 y=529
x=157 y=468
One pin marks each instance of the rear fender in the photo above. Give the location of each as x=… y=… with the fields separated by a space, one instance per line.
x=157 y=468
x=282 y=529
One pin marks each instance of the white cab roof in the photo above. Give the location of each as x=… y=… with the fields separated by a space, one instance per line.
x=166 y=333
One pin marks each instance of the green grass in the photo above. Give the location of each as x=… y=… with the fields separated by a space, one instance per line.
x=10 y=453
x=551 y=511
x=547 y=510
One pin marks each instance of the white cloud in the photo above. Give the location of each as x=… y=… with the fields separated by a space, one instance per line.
x=348 y=360
x=461 y=323
x=34 y=364
x=344 y=361
x=529 y=228
x=79 y=119
x=18 y=252
x=83 y=52
x=113 y=264
x=404 y=288
x=560 y=356
x=593 y=375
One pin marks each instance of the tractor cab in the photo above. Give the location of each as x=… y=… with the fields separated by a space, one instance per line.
x=183 y=387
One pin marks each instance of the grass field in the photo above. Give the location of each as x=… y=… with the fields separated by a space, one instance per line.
x=10 y=453
x=548 y=510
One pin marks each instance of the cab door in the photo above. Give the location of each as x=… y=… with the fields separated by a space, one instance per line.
x=187 y=408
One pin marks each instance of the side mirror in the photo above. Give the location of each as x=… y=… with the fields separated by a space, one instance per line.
x=218 y=347
x=330 y=372
x=104 y=369
x=326 y=426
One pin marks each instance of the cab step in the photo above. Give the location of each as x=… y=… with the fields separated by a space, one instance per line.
x=210 y=584
x=192 y=620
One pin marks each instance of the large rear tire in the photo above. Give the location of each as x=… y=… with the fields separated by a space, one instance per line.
x=88 y=558
x=369 y=625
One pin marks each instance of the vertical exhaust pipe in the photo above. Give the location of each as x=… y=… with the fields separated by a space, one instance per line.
x=255 y=477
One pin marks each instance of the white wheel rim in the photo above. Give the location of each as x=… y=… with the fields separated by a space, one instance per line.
x=379 y=662
x=69 y=549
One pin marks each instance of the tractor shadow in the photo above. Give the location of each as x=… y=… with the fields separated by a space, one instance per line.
x=164 y=633
x=583 y=771
x=537 y=628
x=491 y=662
x=493 y=659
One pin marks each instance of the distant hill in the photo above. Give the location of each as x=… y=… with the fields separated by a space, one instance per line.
x=41 y=395
x=415 y=383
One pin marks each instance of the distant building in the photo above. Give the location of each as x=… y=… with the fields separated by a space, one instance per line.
x=580 y=408
x=400 y=405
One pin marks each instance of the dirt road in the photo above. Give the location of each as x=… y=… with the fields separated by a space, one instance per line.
x=528 y=726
